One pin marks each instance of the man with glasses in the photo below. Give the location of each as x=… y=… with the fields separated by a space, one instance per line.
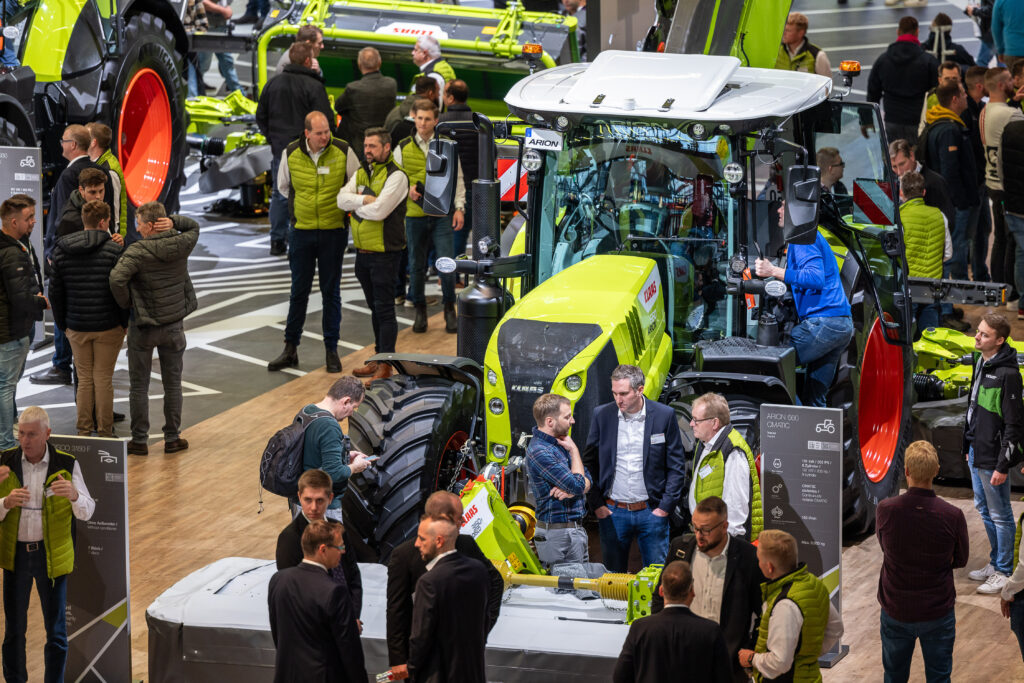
x=726 y=577
x=724 y=466
x=311 y=616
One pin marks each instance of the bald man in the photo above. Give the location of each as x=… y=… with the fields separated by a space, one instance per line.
x=313 y=170
x=407 y=565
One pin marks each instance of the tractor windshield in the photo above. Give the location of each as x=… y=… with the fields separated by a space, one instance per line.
x=649 y=190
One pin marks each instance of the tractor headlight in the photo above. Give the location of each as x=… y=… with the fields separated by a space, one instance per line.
x=573 y=382
x=733 y=172
x=532 y=160
x=499 y=450
x=496 y=406
x=492 y=377
x=561 y=122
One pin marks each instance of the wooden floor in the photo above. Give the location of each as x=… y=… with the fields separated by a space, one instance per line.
x=192 y=508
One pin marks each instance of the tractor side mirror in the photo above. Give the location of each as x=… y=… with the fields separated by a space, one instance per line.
x=803 y=190
x=442 y=174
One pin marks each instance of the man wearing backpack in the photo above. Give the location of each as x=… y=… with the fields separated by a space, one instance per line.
x=324 y=445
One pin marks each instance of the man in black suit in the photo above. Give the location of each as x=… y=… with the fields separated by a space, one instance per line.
x=726 y=578
x=675 y=644
x=315 y=495
x=450 y=610
x=405 y=567
x=311 y=618
x=635 y=454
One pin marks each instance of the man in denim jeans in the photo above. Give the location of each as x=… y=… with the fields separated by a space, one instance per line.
x=992 y=444
x=826 y=325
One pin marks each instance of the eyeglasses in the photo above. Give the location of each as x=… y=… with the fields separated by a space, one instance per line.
x=839 y=165
x=63 y=140
x=701 y=419
x=705 y=532
x=336 y=547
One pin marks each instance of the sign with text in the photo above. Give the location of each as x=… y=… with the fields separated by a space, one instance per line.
x=802 y=486
x=98 y=611
x=21 y=173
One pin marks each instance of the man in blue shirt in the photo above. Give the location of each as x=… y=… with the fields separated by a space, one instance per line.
x=826 y=326
x=559 y=481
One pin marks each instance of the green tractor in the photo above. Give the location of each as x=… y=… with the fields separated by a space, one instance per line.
x=654 y=181
x=116 y=61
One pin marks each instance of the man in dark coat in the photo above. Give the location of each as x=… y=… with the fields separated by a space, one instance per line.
x=456 y=96
x=899 y=80
x=738 y=597
x=447 y=644
x=281 y=114
x=366 y=102
x=675 y=644
x=311 y=618
x=405 y=567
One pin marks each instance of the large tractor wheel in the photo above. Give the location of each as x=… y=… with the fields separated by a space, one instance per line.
x=417 y=425
x=873 y=388
x=148 y=116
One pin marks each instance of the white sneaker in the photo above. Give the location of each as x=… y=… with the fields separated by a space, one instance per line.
x=994 y=584
x=892 y=3
x=982 y=574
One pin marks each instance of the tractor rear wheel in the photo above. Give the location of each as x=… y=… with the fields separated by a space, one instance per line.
x=149 y=118
x=417 y=425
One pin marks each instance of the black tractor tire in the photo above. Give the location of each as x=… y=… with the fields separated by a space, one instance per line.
x=149 y=44
x=417 y=425
x=873 y=387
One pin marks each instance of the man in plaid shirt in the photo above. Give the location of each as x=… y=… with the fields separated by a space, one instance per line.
x=559 y=481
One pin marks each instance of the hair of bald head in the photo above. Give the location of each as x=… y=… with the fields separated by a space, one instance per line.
x=80 y=135
x=369 y=59
x=313 y=117
x=443 y=505
x=676 y=580
x=442 y=526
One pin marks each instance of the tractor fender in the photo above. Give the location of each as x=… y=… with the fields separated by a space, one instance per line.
x=765 y=388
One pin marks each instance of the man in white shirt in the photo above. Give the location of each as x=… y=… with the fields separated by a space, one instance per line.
x=42 y=488
x=723 y=466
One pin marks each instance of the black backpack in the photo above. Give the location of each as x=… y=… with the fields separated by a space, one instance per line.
x=281 y=464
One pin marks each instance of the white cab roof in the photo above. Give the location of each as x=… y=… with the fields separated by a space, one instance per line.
x=667 y=86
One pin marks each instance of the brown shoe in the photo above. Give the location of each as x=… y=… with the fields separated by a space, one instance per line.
x=367 y=370
x=383 y=372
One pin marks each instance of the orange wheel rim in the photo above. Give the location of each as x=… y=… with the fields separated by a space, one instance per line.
x=146 y=130
x=880 y=404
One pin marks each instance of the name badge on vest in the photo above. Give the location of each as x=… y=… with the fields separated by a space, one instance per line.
x=657 y=438
x=323 y=170
x=705 y=471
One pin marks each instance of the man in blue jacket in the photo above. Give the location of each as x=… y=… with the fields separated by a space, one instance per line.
x=826 y=325
x=1008 y=30
x=635 y=453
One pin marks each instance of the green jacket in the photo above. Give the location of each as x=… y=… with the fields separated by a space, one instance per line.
x=57 y=515
x=439 y=66
x=108 y=161
x=313 y=199
x=414 y=163
x=803 y=60
x=385 y=235
x=811 y=596
x=924 y=232
x=713 y=483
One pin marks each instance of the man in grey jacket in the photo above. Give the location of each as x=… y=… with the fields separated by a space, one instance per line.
x=152 y=279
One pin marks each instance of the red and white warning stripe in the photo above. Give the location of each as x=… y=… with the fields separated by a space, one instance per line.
x=872 y=202
x=507 y=173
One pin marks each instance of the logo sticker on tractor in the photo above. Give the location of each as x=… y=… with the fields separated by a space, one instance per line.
x=477 y=515
x=649 y=293
x=541 y=138
x=404 y=28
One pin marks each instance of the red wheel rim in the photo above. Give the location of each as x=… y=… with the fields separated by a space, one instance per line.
x=146 y=129
x=880 y=403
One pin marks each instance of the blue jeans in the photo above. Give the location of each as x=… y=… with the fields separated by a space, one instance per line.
x=61 y=358
x=925 y=316
x=257 y=8
x=979 y=230
x=421 y=232
x=985 y=54
x=280 y=218
x=1015 y=225
x=1017 y=620
x=226 y=65
x=617 y=533
x=12 y=364
x=819 y=344
x=993 y=504
x=7 y=55
x=320 y=251
x=29 y=566
x=937 y=637
x=957 y=263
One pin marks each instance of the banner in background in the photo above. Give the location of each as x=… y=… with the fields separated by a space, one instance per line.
x=98 y=610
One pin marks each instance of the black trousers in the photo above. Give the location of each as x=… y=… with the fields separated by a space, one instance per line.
x=377 y=273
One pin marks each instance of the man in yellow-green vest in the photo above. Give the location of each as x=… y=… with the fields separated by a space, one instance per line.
x=422 y=230
x=42 y=492
x=99 y=152
x=313 y=170
x=797 y=53
x=798 y=621
x=426 y=54
x=724 y=466
x=375 y=197
x=928 y=242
